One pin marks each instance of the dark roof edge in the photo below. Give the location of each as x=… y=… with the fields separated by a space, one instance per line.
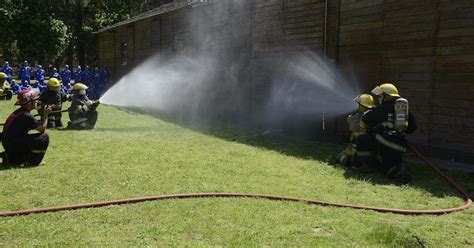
x=154 y=12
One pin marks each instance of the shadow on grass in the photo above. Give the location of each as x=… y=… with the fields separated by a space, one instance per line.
x=140 y=129
x=424 y=178
x=15 y=167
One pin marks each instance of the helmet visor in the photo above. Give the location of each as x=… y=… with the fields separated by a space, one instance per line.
x=356 y=99
x=377 y=91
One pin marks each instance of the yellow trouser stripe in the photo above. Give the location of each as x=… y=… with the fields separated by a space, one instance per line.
x=38 y=151
x=388 y=124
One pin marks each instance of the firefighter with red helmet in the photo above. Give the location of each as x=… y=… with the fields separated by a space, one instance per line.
x=389 y=122
x=22 y=148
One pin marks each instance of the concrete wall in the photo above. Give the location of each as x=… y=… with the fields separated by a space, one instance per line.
x=424 y=46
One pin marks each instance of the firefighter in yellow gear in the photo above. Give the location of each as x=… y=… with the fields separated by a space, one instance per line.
x=388 y=124
x=366 y=104
x=53 y=98
x=83 y=112
x=5 y=90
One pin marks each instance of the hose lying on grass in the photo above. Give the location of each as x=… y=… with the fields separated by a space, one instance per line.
x=260 y=196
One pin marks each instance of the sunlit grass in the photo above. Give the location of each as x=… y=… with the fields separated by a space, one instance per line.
x=129 y=155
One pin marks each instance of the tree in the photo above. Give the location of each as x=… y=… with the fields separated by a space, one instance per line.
x=54 y=31
x=40 y=35
x=7 y=42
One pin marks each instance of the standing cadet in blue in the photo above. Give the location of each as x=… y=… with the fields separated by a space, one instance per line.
x=87 y=76
x=66 y=76
x=66 y=79
x=55 y=74
x=78 y=75
x=9 y=71
x=25 y=73
x=40 y=75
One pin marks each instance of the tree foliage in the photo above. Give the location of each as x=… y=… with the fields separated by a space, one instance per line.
x=61 y=30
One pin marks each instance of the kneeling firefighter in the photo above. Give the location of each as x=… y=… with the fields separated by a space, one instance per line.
x=22 y=148
x=5 y=91
x=389 y=122
x=82 y=113
x=54 y=98
x=349 y=156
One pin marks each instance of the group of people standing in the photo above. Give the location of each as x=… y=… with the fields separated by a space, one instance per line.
x=96 y=80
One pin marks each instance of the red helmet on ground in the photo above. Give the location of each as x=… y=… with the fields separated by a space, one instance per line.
x=26 y=96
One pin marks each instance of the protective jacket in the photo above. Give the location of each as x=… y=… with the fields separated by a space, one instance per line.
x=82 y=113
x=55 y=100
x=20 y=146
x=357 y=129
x=382 y=123
x=5 y=91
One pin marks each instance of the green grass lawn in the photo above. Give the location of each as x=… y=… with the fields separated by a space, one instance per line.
x=130 y=155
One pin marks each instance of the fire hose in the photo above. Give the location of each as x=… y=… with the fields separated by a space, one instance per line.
x=262 y=196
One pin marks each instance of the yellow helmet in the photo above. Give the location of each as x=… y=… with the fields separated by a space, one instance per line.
x=365 y=100
x=80 y=86
x=3 y=75
x=388 y=89
x=54 y=83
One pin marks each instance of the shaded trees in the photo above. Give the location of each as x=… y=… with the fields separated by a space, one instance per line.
x=61 y=30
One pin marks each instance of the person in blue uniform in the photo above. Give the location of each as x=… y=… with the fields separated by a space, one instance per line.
x=66 y=76
x=25 y=73
x=25 y=86
x=87 y=76
x=40 y=75
x=95 y=84
x=9 y=71
x=55 y=74
x=16 y=88
x=78 y=74
x=66 y=80
x=22 y=148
